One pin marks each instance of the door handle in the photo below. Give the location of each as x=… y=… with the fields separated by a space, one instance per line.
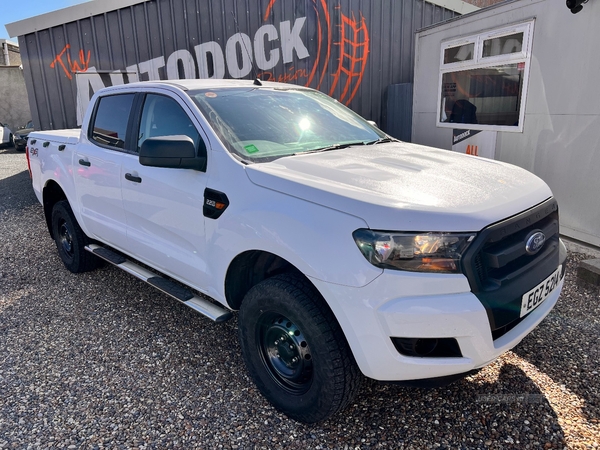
x=133 y=178
x=85 y=163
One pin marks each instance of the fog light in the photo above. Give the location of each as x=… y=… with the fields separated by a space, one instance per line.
x=428 y=347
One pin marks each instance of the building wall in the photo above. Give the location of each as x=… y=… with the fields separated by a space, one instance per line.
x=14 y=55
x=14 y=108
x=560 y=141
x=350 y=49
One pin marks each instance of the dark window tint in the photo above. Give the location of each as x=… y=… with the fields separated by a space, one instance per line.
x=486 y=96
x=112 y=115
x=162 y=116
x=459 y=54
x=504 y=45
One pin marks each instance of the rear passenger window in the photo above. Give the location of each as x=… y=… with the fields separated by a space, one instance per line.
x=112 y=116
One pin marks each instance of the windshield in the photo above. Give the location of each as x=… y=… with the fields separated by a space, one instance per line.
x=262 y=124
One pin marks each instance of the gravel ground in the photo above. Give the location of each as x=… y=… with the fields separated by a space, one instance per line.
x=101 y=360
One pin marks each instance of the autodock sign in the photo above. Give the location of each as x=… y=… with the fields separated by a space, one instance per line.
x=332 y=58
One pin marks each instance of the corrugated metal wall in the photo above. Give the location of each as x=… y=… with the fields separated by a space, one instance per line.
x=350 y=49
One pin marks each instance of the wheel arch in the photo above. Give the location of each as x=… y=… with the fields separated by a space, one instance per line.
x=51 y=195
x=250 y=268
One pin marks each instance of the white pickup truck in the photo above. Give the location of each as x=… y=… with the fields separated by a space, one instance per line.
x=346 y=252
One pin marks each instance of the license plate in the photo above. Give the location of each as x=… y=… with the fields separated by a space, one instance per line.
x=538 y=294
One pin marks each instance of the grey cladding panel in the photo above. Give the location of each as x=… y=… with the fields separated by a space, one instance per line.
x=350 y=49
x=399 y=111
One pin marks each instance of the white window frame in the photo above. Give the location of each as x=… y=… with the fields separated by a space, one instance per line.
x=480 y=62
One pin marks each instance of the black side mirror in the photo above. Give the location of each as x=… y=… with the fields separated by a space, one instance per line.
x=175 y=152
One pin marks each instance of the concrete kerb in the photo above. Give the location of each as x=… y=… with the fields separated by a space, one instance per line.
x=589 y=269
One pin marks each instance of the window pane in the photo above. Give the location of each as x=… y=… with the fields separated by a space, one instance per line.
x=503 y=45
x=162 y=116
x=264 y=124
x=111 y=120
x=486 y=96
x=458 y=54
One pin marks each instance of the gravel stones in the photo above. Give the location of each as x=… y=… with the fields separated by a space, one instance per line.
x=101 y=360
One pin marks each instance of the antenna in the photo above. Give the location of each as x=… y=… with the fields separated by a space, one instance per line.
x=254 y=73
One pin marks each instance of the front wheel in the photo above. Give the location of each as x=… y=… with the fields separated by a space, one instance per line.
x=295 y=350
x=71 y=240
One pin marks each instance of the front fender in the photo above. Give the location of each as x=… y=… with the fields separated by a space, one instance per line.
x=315 y=239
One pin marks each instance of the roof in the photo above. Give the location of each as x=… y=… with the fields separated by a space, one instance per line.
x=455 y=5
x=66 y=15
x=6 y=41
x=207 y=83
x=97 y=7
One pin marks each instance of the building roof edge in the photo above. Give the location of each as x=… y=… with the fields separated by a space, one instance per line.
x=458 y=6
x=66 y=15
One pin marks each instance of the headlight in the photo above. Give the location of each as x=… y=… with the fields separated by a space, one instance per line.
x=417 y=252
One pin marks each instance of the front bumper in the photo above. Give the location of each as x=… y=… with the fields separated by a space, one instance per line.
x=431 y=306
x=20 y=143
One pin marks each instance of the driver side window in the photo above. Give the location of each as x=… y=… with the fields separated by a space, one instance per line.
x=162 y=116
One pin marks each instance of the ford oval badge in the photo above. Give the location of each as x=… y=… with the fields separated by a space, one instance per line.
x=535 y=242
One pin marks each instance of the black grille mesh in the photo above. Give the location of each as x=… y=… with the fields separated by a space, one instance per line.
x=500 y=270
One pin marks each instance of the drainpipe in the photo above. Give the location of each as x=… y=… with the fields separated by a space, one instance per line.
x=6 y=56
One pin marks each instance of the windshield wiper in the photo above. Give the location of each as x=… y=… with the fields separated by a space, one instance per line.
x=346 y=145
x=330 y=147
x=382 y=141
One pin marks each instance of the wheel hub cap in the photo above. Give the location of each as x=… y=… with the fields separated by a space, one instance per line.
x=66 y=240
x=286 y=354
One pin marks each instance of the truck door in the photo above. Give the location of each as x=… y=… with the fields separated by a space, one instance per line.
x=97 y=170
x=163 y=206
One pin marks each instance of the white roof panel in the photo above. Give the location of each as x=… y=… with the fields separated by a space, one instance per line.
x=455 y=5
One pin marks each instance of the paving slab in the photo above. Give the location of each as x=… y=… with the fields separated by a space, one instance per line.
x=589 y=270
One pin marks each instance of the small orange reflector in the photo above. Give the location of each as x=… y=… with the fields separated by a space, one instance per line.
x=219 y=205
x=441 y=265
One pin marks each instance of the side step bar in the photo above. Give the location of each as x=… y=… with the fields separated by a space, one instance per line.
x=185 y=296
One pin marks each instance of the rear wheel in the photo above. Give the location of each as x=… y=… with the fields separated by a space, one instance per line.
x=71 y=240
x=295 y=350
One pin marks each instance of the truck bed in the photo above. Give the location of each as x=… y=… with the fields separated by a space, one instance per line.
x=70 y=136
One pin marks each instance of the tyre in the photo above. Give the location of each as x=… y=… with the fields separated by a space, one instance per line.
x=71 y=240
x=295 y=350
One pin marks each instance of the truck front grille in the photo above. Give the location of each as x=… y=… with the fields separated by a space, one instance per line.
x=499 y=268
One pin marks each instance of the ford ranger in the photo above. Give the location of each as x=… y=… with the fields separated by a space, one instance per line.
x=346 y=252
